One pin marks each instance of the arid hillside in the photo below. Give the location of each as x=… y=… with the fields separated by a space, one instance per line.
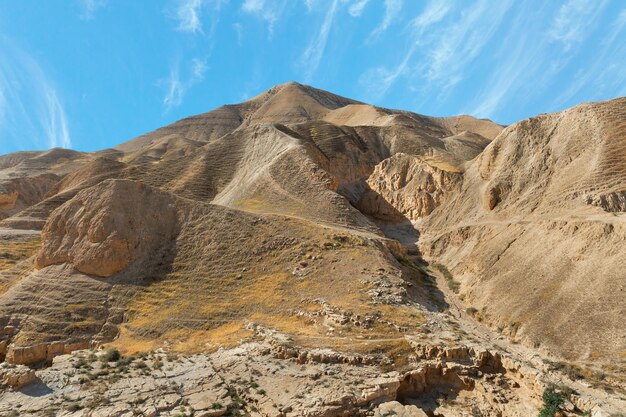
x=536 y=232
x=446 y=266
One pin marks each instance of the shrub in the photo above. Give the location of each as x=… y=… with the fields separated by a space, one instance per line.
x=73 y=407
x=551 y=402
x=452 y=284
x=110 y=355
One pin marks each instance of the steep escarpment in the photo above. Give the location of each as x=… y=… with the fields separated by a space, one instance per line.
x=408 y=185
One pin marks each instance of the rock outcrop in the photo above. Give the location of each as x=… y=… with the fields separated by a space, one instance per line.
x=17 y=194
x=16 y=376
x=105 y=229
x=408 y=185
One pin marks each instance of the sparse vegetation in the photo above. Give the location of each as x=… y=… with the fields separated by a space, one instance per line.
x=471 y=311
x=110 y=355
x=574 y=372
x=551 y=402
x=453 y=285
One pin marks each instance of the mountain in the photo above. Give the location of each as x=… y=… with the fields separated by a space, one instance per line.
x=446 y=264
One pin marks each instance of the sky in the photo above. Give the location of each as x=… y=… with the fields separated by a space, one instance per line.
x=90 y=74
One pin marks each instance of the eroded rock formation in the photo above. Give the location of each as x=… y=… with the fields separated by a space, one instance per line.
x=105 y=229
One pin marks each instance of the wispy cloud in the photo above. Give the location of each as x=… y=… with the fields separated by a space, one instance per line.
x=238 y=28
x=189 y=15
x=90 y=7
x=198 y=69
x=530 y=58
x=379 y=80
x=444 y=41
x=573 y=20
x=55 y=124
x=392 y=10
x=176 y=88
x=459 y=43
x=606 y=76
x=356 y=8
x=269 y=11
x=313 y=54
x=310 y=4
x=30 y=108
x=434 y=13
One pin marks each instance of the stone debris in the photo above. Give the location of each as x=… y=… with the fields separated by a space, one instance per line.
x=266 y=379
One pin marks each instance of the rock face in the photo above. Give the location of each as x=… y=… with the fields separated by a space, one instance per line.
x=409 y=185
x=16 y=376
x=19 y=193
x=105 y=229
x=43 y=352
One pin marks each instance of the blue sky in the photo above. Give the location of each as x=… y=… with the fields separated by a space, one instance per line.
x=89 y=74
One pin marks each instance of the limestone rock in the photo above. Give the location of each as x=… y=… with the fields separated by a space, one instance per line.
x=16 y=376
x=394 y=408
x=409 y=186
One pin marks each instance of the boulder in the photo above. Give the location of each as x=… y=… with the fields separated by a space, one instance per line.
x=16 y=376
x=394 y=408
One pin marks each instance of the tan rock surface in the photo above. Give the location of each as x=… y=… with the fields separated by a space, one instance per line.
x=102 y=231
x=529 y=239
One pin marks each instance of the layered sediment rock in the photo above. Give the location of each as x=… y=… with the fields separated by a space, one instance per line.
x=407 y=185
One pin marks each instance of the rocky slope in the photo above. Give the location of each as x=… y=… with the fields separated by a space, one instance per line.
x=536 y=233
x=292 y=248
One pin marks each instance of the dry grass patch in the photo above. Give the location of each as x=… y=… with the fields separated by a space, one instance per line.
x=15 y=251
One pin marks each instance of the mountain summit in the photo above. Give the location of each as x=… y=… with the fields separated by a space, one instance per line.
x=308 y=254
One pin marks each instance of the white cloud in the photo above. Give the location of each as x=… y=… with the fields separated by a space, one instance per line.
x=574 y=19
x=269 y=11
x=434 y=13
x=392 y=10
x=313 y=54
x=444 y=40
x=188 y=14
x=198 y=69
x=356 y=8
x=176 y=88
x=310 y=4
x=30 y=108
x=238 y=27
x=530 y=63
x=56 y=123
x=458 y=43
x=90 y=7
